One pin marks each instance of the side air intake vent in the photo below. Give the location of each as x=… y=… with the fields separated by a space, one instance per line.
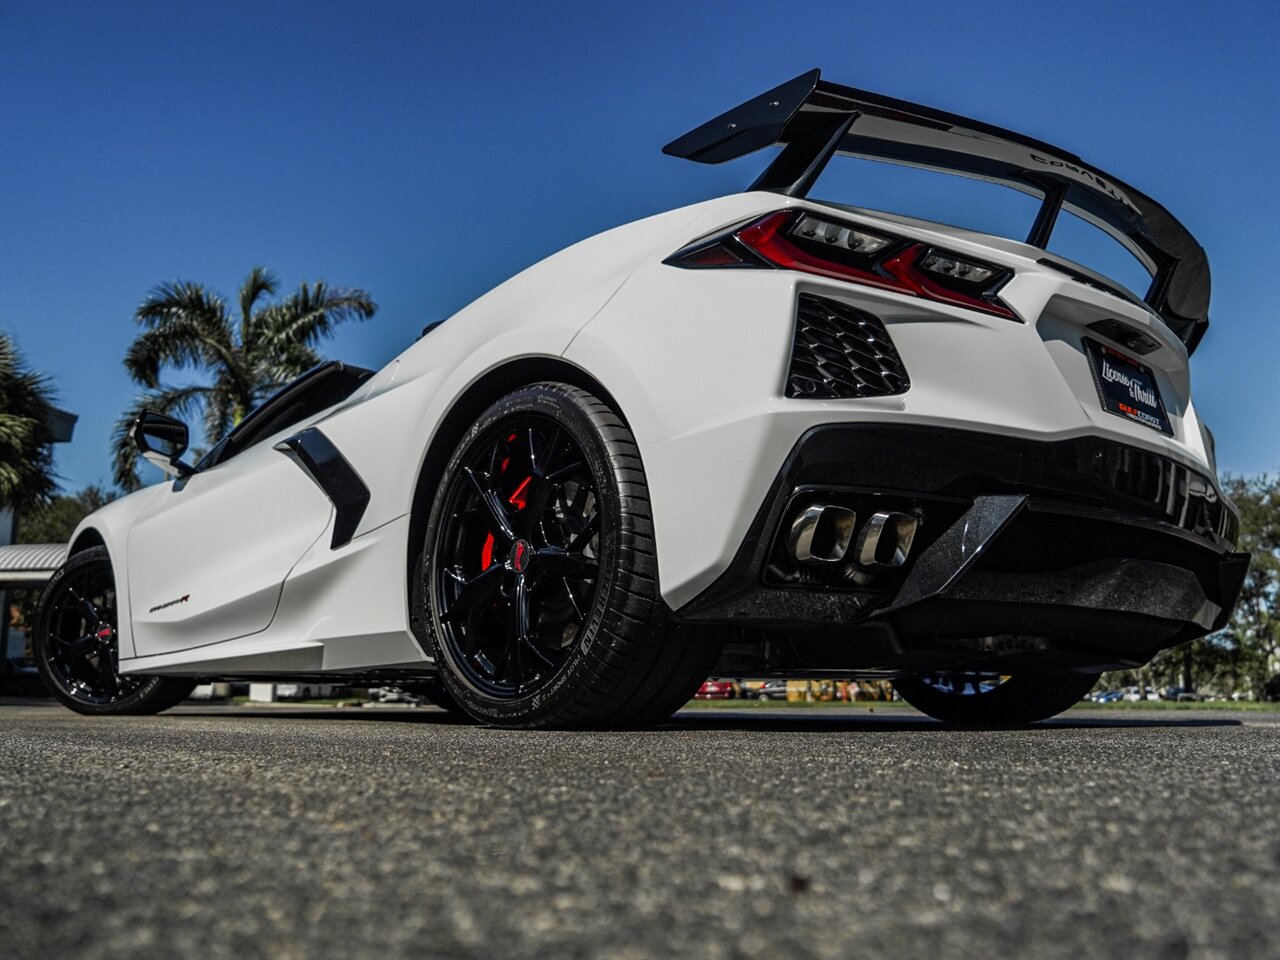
x=842 y=353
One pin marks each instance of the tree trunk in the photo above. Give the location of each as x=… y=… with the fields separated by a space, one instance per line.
x=1143 y=684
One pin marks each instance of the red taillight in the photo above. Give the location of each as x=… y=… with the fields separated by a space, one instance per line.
x=766 y=237
x=905 y=268
x=798 y=240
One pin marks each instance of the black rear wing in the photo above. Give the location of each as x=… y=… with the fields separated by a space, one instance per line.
x=812 y=120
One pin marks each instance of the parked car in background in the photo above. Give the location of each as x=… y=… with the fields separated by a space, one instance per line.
x=393 y=695
x=772 y=690
x=763 y=689
x=303 y=691
x=1180 y=694
x=715 y=690
x=1107 y=696
x=1136 y=694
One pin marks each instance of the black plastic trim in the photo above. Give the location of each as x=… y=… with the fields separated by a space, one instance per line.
x=1132 y=493
x=802 y=161
x=338 y=378
x=322 y=461
x=839 y=352
x=945 y=561
x=1047 y=215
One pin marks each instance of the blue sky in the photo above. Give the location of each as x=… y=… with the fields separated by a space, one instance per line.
x=425 y=152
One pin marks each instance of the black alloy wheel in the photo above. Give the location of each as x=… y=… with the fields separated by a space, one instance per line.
x=993 y=698
x=77 y=649
x=539 y=573
x=519 y=556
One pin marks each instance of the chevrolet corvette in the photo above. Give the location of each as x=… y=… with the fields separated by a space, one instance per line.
x=765 y=435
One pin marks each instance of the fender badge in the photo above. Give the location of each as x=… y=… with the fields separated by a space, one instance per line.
x=171 y=603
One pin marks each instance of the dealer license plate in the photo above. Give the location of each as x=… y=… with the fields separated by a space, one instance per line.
x=1126 y=387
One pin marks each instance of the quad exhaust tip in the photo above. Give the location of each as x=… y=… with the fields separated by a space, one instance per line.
x=824 y=533
x=885 y=539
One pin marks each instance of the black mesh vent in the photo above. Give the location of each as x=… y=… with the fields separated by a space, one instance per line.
x=842 y=353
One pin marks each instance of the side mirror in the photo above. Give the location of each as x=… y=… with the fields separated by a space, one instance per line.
x=162 y=440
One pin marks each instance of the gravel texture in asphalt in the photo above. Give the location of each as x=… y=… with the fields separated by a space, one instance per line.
x=837 y=832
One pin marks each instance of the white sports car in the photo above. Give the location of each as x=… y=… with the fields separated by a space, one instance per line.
x=763 y=435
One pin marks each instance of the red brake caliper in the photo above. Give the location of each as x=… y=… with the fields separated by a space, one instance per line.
x=518 y=499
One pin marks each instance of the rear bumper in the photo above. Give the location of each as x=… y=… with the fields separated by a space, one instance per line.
x=1086 y=540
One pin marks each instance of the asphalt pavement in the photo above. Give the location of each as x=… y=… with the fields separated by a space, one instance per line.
x=835 y=832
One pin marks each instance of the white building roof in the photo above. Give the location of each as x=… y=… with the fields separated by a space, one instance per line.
x=29 y=564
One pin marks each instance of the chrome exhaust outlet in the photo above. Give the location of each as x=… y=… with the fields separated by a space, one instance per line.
x=885 y=539
x=822 y=533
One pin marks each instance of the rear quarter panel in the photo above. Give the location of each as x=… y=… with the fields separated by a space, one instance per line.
x=537 y=313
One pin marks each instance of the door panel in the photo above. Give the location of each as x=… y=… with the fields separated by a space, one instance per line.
x=208 y=559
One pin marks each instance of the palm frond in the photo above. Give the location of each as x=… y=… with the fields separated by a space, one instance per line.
x=219 y=411
x=260 y=281
x=178 y=342
x=181 y=298
x=312 y=313
x=26 y=462
x=23 y=391
x=185 y=325
x=282 y=362
x=9 y=359
x=26 y=453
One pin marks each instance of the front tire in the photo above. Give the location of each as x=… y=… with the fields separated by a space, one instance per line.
x=540 y=573
x=992 y=700
x=75 y=647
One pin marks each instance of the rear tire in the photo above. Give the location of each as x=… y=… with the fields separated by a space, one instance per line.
x=1022 y=698
x=548 y=615
x=75 y=647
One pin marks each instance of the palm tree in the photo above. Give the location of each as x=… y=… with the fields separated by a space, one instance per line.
x=26 y=452
x=246 y=358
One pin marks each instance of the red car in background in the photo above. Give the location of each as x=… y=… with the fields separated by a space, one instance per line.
x=715 y=690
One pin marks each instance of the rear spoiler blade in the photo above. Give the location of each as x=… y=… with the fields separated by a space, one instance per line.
x=812 y=120
x=756 y=124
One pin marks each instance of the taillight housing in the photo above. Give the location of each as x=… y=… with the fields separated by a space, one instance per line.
x=818 y=244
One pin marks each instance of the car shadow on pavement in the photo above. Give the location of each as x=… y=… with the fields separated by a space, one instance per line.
x=825 y=721
x=235 y=712
x=896 y=721
x=790 y=720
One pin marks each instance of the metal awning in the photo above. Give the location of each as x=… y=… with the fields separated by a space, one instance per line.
x=26 y=566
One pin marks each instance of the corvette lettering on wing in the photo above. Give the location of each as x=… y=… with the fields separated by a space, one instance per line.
x=172 y=603
x=1087 y=177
